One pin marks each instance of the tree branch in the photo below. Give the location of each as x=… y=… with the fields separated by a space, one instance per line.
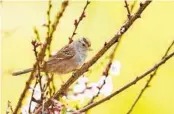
x=38 y=77
x=76 y=23
x=138 y=78
x=148 y=81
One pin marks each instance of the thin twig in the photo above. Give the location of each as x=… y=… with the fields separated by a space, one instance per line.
x=35 y=45
x=148 y=81
x=33 y=90
x=41 y=55
x=38 y=76
x=76 y=23
x=105 y=73
x=133 y=82
x=50 y=80
x=9 y=108
x=101 y=52
x=128 y=10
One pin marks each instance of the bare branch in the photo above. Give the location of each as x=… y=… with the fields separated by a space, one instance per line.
x=148 y=81
x=77 y=22
x=127 y=8
x=138 y=78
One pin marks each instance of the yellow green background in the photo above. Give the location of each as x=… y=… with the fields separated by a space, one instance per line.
x=142 y=46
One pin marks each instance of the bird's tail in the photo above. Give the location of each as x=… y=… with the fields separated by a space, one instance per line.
x=22 y=72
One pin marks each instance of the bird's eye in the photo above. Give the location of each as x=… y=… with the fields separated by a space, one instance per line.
x=83 y=45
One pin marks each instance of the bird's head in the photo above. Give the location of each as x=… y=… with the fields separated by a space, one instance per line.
x=85 y=43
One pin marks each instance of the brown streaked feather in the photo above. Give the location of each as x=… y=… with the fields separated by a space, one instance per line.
x=65 y=53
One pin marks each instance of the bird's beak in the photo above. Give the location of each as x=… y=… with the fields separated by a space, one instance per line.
x=90 y=49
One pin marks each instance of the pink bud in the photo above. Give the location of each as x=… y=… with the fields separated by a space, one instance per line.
x=75 y=22
x=33 y=42
x=83 y=14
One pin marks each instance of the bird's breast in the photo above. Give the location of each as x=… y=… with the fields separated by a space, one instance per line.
x=80 y=57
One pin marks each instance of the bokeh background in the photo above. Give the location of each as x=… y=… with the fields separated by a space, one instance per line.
x=142 y=46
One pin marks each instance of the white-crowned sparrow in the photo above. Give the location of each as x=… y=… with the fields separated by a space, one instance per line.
x=66 y=60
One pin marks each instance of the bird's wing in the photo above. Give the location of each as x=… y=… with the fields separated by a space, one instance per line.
x=65 y=53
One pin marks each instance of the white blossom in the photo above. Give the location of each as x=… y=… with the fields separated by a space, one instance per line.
x=115 y=68
x=44 y=80
x=108 y=87
x=93 y=88
x=82 y=80
x=100 y=82
x=25 y=108
x=79 y=97
x=37 y=92
x=56 y=112
x=88 y=93
x=36 y=95
x=79 y=88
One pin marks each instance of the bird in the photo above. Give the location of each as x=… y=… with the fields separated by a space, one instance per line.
x=69 y=58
